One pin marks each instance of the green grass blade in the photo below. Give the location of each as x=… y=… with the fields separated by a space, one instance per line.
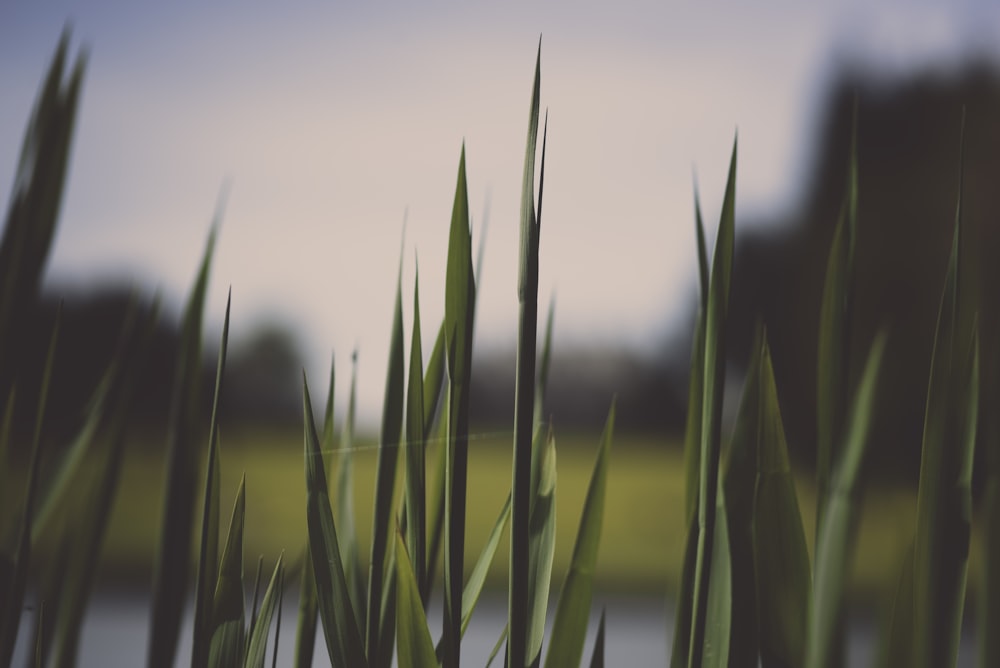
x=711 y=423
x=228 y=642
x=719 y=618
x=17 y=582
x=944 y=496
x=543 y=368
x=833 y=349
x=460 y=300
x=36 y=198
x=343 y=513
x=388 y=459
x=836 y=540
x=520 y=578
x=477 y=579
x=253 y=605
x=414 y=646
x=573 y=610
x=680 y=645
x=435 y=502
x=277 y=622
x=541 y=542
x=781 y=557
x=261 y=628
x=305 y=631
x=597 y=658
x=343 y=639
x=92 y=517
x=208 y=555
x=416 y=494
x=170 y=582
x=433 y=382
x=739 y=490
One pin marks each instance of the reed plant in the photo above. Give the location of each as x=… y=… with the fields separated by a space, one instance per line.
x=750 y=592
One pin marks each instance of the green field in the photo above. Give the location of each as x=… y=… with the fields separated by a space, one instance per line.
x=642 y=543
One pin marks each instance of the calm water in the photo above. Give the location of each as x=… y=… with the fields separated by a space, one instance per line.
x=116 y=629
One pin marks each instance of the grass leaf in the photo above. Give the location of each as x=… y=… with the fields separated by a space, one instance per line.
x=573 y=610
x=170 y=581
x=258 y=636
x=711 y=422
x=781 y=557
x=416 y=518
x=541 y=541
x=414 y=646
x=836 y=539
x=343 y=639
x=520 y=578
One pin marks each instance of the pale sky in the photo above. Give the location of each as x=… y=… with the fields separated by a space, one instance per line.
x=331 y=121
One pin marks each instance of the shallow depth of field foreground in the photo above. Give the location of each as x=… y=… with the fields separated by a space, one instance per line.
x=439 y=541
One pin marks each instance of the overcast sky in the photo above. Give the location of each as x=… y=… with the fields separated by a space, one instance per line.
x=330 y=121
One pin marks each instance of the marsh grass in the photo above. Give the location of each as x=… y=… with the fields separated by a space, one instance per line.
x=745 y=516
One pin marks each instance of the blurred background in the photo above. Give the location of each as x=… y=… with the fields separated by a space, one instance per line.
x=329 y=137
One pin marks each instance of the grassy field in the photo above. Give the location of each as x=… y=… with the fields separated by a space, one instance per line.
x=642 y=546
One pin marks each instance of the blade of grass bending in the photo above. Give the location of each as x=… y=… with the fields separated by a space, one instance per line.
x=388 y=458
x=208 y=555
x=836 y=540
x=305 y=631
x=460 y=300
x=257 y=651
x=944 y=496
x=569 y=629
x=170 y=581
x=416 y=493
x=781 y=558
x=17 y=582
x=597 y=658
x=711 y=423
x=343 y=639
x=253 y=605
x=414 y=647
x=524 y=399
x=227 y=645
x=477 y=579
x=833 y=346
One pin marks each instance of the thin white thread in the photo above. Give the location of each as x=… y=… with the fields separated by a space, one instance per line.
x=371 y=447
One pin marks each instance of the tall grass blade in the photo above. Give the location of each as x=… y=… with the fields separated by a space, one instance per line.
x=719 y=615
x=518 y=602
x=460 y=300
x=305 y=631
x=541 y=541
x=208 y=556
x=680 y=649
x=842 y=509
x=414 y=646
x=899 y=644
x=543 y=369
x=340 y=627
x=227 y=645
x=436 y=450
x=92 y=518
x=944 y=497
x=477 y=579
x=35 y=200
x=711 y=423
x=277 y=623
x=388 y=458
x=343 y=512
x=597 y=658
x=781 y=558
x=739 y=488
x=833 y=349
x=573 y=610
x=258 y=636
x=172 y=560
x=16 y=583
x=416 y=494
